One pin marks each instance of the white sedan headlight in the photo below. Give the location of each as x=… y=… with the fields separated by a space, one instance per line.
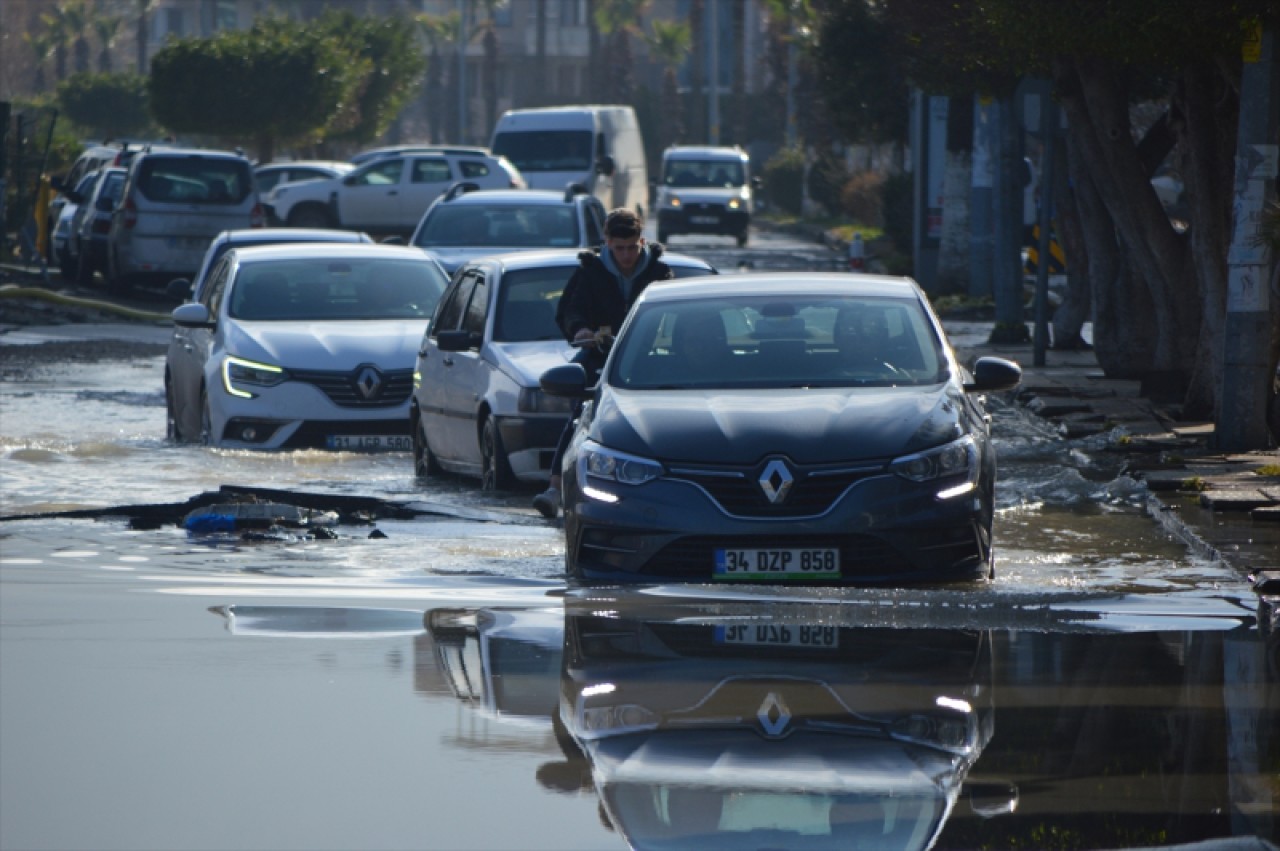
x=237 y=372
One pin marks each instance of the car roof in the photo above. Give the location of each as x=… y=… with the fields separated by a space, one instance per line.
x=706 y=152
x=272 y=236
x=336 y=250
x=508 y=196
x=334 y=164
x=808 y=283
x=539 y=259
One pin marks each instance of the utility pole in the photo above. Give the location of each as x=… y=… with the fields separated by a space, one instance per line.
x=713 y=73
x=981 y=201
x=1241 y=422
x=463 y=127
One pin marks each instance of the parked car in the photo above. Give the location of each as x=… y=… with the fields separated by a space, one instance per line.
x=806 y=427
x=476 y=407
x=175 y=202
x=87 y=241
x=705 y=190
x=69 y=203
x=415 y=148
x=468 y=222
x=189 y=289
x=388 y=194
x=268 y=175
x=302 y=346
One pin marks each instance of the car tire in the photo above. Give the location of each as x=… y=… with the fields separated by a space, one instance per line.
x=309 y=216
x=425 y=464
x=496 y=472
x=206 y=421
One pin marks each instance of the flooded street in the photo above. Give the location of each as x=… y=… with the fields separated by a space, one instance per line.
x=440 y=687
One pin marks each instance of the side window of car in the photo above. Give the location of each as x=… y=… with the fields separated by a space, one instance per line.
x=431 y=171
x=452 y=304
x=213 y=293
x=383 y=173
x=594 y=215
x=478 y=307
x=473 y=168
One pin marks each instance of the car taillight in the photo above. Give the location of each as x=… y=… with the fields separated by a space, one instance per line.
x=130 y=213
x=257 y=218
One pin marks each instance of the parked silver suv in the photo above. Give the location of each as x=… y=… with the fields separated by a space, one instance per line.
x=174 y=203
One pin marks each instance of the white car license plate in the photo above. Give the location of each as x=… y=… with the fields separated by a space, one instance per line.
x=370 y=442
x=792 y=563
x=779 y=635
x=704 y=220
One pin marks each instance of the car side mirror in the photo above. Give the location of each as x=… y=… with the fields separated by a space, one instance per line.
x=567 y=380
x=991 y=374
x=193 y=315
x=606 y=166
x=180 y=289
x=458 y=341
x=991 y=798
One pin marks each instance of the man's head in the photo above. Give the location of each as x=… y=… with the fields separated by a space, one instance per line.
x=623 y=231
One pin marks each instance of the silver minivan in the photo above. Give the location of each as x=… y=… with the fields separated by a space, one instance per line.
x=174 y=203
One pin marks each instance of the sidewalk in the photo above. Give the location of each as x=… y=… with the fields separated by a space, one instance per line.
x=1223 y=507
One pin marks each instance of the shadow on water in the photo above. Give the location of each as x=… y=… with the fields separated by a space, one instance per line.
x=700 y=719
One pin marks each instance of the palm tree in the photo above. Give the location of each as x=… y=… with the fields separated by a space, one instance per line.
x=76 y=15
x=143 y=8
x=489 y=39
x=60 y=36
x=617 y=21
x=669 y=44
x=108 y=30
x=42 y=45
x=441 y=32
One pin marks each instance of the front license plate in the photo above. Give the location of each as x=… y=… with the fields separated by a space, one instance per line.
x=704 y=220
x=370 y=442
x=797 y=563
x=779 y=635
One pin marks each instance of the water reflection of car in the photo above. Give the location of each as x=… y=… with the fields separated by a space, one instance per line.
x=806 y=427
x=729 y=728
x=303 y=346
x=477 y=409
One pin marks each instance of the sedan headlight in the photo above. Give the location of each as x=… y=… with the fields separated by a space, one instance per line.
x=735 y=203
x=673 y=201
x=953 y=460
x=238 y=371
x=596 y=461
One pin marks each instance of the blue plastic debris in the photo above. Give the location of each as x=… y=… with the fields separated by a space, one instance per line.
x=206 y=523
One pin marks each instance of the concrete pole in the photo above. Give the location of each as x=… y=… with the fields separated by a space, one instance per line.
x=463 y=127
x=713 y=73
x=1048 y=114
x=981 y=233
x=1241 y=422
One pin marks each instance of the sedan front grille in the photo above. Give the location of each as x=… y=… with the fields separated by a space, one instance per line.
x=362 y=387
x=812 y=493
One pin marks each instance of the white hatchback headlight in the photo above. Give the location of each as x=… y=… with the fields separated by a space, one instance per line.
x=237 y=372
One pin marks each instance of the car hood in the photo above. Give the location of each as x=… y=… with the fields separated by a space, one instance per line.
x=329 y=345
x=743 y=426
x=525 y=362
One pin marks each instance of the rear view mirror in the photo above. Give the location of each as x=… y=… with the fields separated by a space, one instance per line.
x=457 y=341
x=568 y=380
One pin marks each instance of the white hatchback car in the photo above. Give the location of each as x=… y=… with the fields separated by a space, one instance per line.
x=477 y=408
x=302 y=346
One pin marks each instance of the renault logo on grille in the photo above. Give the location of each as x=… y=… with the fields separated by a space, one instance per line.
x=773 y=715
x=369 y=383
x=776 y=481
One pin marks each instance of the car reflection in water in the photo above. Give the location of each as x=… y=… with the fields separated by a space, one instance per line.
x=793 y=731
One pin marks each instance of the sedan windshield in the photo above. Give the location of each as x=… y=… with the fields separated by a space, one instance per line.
x=336 y=289
x=778 y=341
x=507 y=225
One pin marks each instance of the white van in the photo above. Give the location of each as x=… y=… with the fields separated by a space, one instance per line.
x=597 y=146
x=705 y=190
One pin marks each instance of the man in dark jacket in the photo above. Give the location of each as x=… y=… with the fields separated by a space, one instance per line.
x=595 y=303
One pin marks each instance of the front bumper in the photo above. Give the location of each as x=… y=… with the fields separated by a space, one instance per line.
x=703 y=218
x=887 y=529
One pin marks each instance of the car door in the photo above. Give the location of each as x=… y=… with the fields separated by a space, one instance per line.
x=436 y=369
x=189 y=351
x=370 y=198
x=468 y=375
x=424 y=180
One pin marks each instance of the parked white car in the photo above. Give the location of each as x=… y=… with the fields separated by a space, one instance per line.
x=302 y=346
x=477 y=408
x=389 y=193
x=268 y=176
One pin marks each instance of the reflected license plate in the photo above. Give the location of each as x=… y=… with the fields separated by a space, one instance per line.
x=370 y=442
x=779 y=635
x=704 y=220
x=793 y=563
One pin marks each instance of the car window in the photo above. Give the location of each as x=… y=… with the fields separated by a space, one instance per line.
x=267 y=180
x=473 y=168
x=86 y=184
x=431 y=171
x=450 y=313
x=478 y=306
x=381 y=173
x=217 y=286
x=194 y=179
x=546 y=150
x=527 y=302
x=112 y=187
x=320 y=288
x=594 y=222
x=704 y=173
x=777 y=342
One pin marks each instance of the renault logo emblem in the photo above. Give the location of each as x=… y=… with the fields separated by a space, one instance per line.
x=776 y=481
x=774 y=716
x=369 y=383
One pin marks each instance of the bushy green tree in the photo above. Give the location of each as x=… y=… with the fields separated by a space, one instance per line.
x=106 y=105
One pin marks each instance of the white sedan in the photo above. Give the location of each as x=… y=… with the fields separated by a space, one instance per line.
x=302 y=346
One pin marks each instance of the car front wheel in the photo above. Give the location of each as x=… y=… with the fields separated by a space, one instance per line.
x=496 y=472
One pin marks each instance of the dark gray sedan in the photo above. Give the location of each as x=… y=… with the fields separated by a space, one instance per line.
x=803 y=427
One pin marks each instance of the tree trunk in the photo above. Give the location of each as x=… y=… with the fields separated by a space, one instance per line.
x=953 y=250
x=595 y=79
x=541 y=84
x=435 y=96
x=1077 y=304
x=140 y=35
x=490 y=43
